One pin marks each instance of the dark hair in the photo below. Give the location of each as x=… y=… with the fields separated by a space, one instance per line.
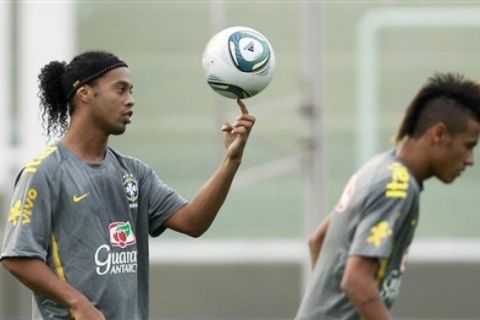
x=448 y=98
x=56 y=106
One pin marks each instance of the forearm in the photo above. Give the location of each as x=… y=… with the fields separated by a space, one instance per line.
x=315 y=242
x=196 y=217
x=210 y=198
x=359 y=285
x=37 y=276
x=367 y=302
x=315 y=245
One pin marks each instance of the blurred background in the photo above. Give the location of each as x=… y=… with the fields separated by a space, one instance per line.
x=345 y=72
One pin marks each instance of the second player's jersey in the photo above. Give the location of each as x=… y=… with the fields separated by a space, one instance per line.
x=375 y=217
x=90 y=224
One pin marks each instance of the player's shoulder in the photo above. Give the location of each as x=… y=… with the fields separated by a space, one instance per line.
x=44 y=164
x=47 y=160
x=128 y=162
x=391 y=176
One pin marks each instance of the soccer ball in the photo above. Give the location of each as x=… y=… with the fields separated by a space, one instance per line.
x=238 y=62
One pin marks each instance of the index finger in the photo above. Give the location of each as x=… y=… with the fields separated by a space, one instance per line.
x=243 y=108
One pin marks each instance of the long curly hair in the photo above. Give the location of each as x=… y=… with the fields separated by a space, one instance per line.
x=56 y=109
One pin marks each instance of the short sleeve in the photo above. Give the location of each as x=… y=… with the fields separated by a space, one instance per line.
x=162 y=202
x=28 y=227
x=385 y=211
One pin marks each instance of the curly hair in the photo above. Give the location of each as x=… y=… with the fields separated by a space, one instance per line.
x=53 y=99
x=448 y=98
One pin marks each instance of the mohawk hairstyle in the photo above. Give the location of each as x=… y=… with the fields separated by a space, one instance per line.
x=447 y=98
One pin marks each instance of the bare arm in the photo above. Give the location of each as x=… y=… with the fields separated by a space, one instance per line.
x=197 y=216
x=359 y=285
x=37 y=276
x=315 y=242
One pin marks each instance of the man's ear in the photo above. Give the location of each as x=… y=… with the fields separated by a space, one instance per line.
x=84 y=93
x=438 y=133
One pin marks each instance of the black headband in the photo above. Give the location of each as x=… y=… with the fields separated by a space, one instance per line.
x=70 y=83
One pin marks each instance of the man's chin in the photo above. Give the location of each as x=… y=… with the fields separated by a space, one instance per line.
x=448 y=179
x=118 y=131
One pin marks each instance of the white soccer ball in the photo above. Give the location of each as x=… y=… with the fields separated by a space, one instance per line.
x=238 y=62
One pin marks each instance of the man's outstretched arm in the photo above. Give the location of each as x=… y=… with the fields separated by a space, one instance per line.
x=197 y=216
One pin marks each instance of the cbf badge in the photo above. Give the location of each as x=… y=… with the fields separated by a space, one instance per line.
x=131 y=190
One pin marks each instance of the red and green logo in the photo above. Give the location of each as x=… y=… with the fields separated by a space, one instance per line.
x=121 y=234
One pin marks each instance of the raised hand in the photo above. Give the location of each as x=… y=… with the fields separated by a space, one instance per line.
x=236 y=134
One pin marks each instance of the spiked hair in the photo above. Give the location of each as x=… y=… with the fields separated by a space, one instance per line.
x=446 y=97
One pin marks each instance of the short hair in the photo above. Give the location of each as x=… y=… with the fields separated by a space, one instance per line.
x=446 y=97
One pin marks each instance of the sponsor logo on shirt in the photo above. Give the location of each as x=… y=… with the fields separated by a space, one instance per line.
x=109 y=262
x=398 y=186
x=115 y=258
x=78 y=198
x=33 y=165
x=121 y=234
x=23 y=213
x=130 y=185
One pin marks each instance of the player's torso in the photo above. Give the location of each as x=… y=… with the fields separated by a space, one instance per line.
x=374 y=181
x=94 y=236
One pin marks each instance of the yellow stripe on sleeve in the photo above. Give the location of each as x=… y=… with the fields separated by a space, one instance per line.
x=56 y=259
x=381 y=272
x=58 y=264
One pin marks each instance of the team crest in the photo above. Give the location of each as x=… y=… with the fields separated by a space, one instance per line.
x=379 y=233
x=131 y=190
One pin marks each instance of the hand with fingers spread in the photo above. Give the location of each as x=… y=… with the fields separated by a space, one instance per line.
x=236 y=134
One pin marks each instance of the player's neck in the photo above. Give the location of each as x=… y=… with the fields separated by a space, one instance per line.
x=413 y=153
x=88 y=147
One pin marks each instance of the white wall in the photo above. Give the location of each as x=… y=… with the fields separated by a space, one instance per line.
x=46 y=32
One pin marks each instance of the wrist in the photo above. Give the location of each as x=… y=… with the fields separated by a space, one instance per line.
x=77 y=302
x=233 y=161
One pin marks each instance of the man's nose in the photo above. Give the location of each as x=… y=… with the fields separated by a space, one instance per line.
x=130 y=101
